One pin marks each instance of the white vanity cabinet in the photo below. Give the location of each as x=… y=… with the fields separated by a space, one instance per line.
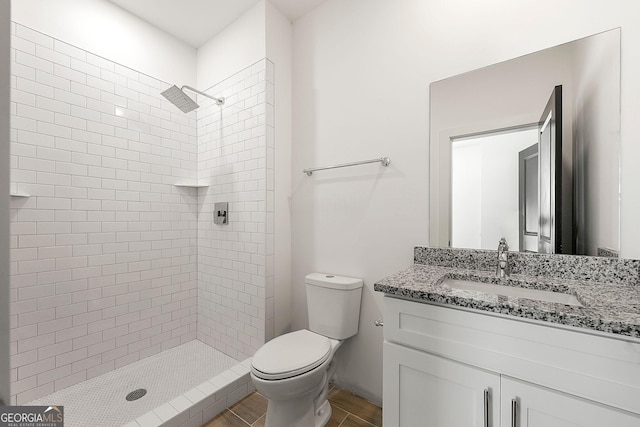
x=537 y=406
x=449 y=367
x=421 y=389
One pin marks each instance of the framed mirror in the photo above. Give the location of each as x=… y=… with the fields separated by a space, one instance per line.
x=503 y=165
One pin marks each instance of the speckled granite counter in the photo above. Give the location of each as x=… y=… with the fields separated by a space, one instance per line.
x=612 y=306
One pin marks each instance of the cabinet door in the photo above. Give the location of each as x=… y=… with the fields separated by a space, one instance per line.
x=421 y=389
x=542 y=407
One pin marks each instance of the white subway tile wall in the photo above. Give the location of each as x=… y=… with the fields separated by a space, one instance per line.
x=235 y=261
x=104 y=251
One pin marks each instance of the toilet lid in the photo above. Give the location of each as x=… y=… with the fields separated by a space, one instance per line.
x=291 y=354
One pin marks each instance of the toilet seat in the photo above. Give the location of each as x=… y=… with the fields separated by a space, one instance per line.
x=290 y=355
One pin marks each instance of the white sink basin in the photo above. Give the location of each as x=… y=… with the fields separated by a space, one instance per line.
x=512 y=291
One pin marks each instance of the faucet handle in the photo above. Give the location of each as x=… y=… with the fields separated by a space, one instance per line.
x=503 y=245
x=502 y=269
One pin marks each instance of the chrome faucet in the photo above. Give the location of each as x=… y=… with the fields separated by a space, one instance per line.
x=502 y=269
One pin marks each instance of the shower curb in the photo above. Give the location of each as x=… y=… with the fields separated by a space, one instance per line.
x=198 y=405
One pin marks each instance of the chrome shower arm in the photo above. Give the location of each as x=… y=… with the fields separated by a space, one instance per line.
x=219 y=101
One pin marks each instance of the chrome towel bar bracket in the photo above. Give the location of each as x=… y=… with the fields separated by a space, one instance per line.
x=385 y=161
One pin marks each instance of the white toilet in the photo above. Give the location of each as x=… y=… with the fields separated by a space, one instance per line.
x=293 y=370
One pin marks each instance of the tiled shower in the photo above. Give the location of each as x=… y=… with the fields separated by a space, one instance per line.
x=114 y=254
x=235 y=264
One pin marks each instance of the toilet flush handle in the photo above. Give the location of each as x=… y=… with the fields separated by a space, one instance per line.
x=379 y=322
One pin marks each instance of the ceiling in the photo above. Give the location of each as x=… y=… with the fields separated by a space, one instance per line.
x=196 y=21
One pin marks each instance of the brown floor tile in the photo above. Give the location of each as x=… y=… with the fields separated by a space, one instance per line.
x=347 y=410
x=226 y=419
x=337 y=416
x=356 y=405
x=251 y=408
x=260 y=422
x=353 y=421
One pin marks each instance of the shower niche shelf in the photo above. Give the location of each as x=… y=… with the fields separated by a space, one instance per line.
x=20 y=195
x=190 y=185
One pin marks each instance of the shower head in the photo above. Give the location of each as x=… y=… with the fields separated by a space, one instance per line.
x=181 y=100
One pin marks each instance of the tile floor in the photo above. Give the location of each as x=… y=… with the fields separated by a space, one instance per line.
x=165 y=375
x=348 y=410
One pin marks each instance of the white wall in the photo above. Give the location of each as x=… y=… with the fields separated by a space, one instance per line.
x=279 y=33
x=106 y=30
x=233 y=49
x=5 y=26
x=361 y=76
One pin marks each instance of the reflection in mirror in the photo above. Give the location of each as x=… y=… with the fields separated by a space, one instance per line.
x=486 y=173
x=484 y=184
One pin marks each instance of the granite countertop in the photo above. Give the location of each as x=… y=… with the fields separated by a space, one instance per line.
x=607 y=307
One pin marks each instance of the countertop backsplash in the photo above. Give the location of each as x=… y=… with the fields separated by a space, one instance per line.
x=571 y=267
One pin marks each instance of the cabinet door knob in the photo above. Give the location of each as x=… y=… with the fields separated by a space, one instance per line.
x=514 y=412
x=486 y=407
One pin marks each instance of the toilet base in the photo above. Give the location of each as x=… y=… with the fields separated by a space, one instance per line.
x=294 y=413
x=311 y=409
x=323 y=414
x=301 y=411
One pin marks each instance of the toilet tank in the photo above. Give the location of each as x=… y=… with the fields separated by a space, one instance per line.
x=333 y=304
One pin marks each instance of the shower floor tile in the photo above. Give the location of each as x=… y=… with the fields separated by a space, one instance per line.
x=100 y=401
